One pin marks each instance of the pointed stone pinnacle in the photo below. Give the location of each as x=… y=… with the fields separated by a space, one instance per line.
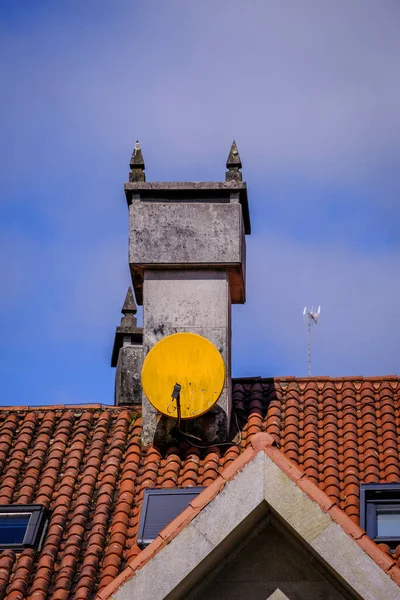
x=128 y=333
x=233 y=161
x=233 y=164
x=137 y=161
x=137 y=165
x=129 y=306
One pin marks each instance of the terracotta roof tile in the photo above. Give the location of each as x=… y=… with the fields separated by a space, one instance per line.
x=87 y=466
x=261 y=442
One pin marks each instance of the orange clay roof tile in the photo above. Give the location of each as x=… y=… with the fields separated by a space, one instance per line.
x=86 y=464
x=260 y=442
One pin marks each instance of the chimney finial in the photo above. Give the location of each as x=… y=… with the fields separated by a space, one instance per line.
x=128 y=331
x=129 y=311
x=137 y=164
x=129 y=306
x=233 y=164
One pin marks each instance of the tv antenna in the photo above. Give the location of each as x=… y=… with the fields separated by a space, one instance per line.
x=312 y=318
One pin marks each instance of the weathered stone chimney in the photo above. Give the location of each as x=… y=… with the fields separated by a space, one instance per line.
x=187 y=261
x=127 y=356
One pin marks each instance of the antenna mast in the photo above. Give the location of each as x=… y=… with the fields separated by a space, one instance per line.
x=312 y=317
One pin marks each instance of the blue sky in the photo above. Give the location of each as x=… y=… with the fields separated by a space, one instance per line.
x=311 y=93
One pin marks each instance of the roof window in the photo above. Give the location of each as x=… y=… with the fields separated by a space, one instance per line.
x=380 y=512
x=22 y=526
x=160 y=507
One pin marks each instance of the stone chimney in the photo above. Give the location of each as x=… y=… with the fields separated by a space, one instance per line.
x=187 y=261
x=127 y=356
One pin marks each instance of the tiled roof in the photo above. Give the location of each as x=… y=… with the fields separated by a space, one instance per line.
x=261 y=443
x=87 y=465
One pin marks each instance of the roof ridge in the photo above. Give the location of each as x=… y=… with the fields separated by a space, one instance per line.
x=392 y=377
x=41 y=407
x=235 y=380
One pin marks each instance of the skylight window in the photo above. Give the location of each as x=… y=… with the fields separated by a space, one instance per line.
x=380 y=512
x=22 y=526
x=160 y=507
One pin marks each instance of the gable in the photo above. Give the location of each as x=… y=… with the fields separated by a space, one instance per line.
x=270 y=564
x=258 y=482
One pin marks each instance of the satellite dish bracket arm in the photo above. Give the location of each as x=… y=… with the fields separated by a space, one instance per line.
x=176 y=395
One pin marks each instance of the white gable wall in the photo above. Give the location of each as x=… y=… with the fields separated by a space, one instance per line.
x=223 y=524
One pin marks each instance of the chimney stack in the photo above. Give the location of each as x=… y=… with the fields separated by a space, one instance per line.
x=127 y=356
x=187 y=261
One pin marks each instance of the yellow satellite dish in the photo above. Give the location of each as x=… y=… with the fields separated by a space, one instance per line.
x=194 y=363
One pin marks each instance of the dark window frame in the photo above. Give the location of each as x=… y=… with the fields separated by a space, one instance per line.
x=35 y=528
x=143 y=541
x=372 y=497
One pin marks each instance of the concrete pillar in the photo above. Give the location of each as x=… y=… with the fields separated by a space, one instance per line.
x=128 y=389
x=195 y=300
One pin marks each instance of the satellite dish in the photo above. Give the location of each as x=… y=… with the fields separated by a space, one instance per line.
x=191 y=361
